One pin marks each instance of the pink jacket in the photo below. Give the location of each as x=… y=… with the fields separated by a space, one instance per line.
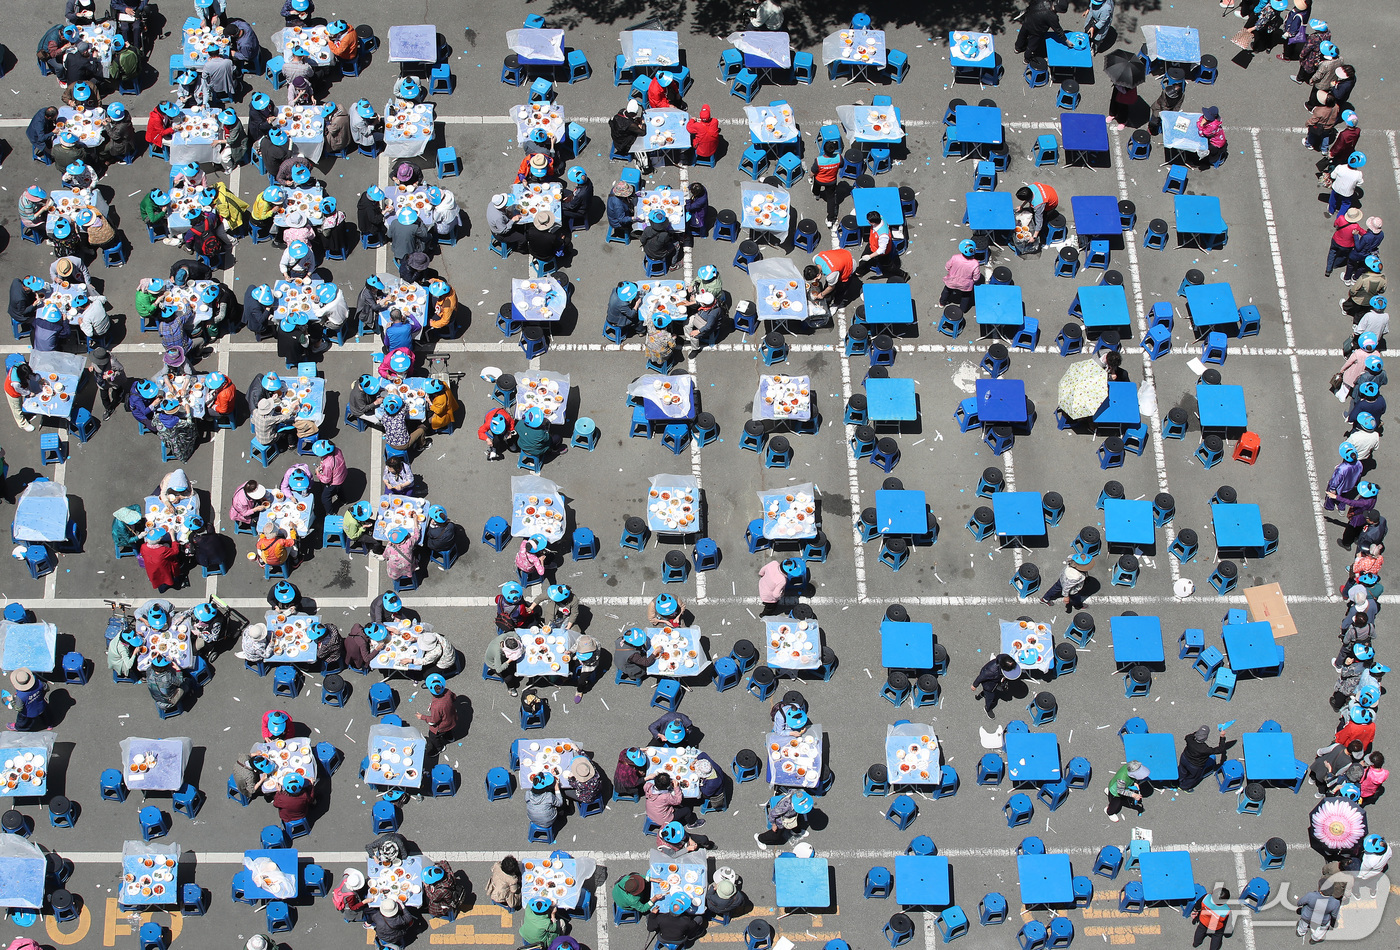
x=1213 y=131
x=1371 y=781
x=771 y=582
x=526 y=561
x=240 y=509
x=661 y=806
x=331 y=469
x=961 y=272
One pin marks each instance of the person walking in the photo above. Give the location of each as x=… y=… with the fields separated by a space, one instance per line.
x=1123 y=789
x=1211 y=916
x=995 y=677
x=1071 y=582
x=1319 y=909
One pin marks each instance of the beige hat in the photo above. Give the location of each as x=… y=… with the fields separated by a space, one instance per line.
x=582 y=769
x=63 y=267
x=1353 y=215
x=724 y=888
x=389 y=908
x=22 y=678
x=544 y=220
x=538 y=161
x=1373 y=224
x=354 y=878
x=259 y=942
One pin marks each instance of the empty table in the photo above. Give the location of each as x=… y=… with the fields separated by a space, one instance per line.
x=1156 y=750
x=1237 y=526
x=990 y=211
x=535 y=47
x=903 y=512
x=1129 y=521
x=22 y=874
x=1032 y=757
x=1211 y=305
x=801 y=882
x=884 y=201
x=977 y=125
x=1064 y=59
x=1104 y=307
x=763 y=50
x=1221 y=408
x=417 y=44
x=888 y=304
x=906 y=645
x=1046 y=879
x=1136 y=639
x=1018 y=514
x=1250 y=646
x=921 y=880
x=1198 y=217
x=33 y=646
x=1096 y=216
x=891 y=400
x=1001 y=400
x=1120 y=409
x=647 y=49
x=1268 y=756
x=1085 y=134
x=1167 y=876
x=998 y=305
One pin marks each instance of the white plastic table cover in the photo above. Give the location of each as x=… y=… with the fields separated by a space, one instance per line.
x=296 y=756
x=168 y=773
x=796 y=762
x=649 y=387
x=195 y=132
x=291 y=636
x=667 y=506
x=554 y=756
x=308 y=202
x=781 y=506
x=538 y=115
x=533 y=198
x=386 y=883
x=404 y=649
x=662 y=297
x=781 y=397
x=857 y=47
x=793 y=644
x=68 y=368
x=766 y=208
x=540 y=46
x=549 y=393
x=538 y=299
x=393 y=511
x=918 y=756
x=86 y=124
x=537 y=516
x=679 y=763
x=410 y=131
x=775 y=48
x=306 y=127
x=156 y=883
x=99 y=37
x=666 y=130
x=858 y=122
x=676 y=648
x=649 y=48
x=413 y=44
x=547 y=875
x=31 y=784
x=23 y=869
x=41 y=513
x=316 y=40
x=770 y=126
x=664 y=198
x=382 y=737
x=776 y=274
x=410 y=298
x=33 y=646
x=167 y=643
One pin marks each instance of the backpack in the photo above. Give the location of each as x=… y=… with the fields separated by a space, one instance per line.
x=125 y=65
x=340 y=896
x=201 y=237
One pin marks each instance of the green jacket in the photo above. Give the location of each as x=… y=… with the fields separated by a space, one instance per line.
x=628 y=901
x=146 y=304
x=151 y=212
x=536 y=929
x=1122 y=783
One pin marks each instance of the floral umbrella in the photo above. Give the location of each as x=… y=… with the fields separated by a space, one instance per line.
x=1083 y=389
x=1338 y=823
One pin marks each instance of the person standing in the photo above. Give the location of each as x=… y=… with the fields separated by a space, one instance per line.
x=1123 y=789
x=1211 y=916
x=1319 y=909
x=1345 y=179
x=31 y=702
x=1198 y=759
x=441 y=717
x=960 y=275
x=994 y=677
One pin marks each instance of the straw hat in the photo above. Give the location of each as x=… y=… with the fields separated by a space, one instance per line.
x=539 y=161
x=544 y=220
x=1353 y=215
x=22 y=679
x=582 y=769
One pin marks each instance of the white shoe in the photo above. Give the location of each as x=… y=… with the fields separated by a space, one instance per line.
x=760 y=843
x=27 y=427
x=1112 y=817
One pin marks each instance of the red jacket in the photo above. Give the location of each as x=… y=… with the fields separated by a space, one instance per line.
x=158 y=128
x=656 y=96
x=483 y=432
x=1353 y=730
x=1345 y=143
x=1346 y=231
x=704 y=136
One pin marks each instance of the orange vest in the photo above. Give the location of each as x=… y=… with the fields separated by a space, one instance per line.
x=840 y=261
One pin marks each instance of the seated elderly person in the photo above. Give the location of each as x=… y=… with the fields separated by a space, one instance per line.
x=505 y=222
x=546 y=238
x=659 y=241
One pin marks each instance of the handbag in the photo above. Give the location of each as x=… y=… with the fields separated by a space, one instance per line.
x=1244 y=39
x=1335 y=383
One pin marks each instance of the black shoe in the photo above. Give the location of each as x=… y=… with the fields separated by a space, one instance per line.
x=991 y=714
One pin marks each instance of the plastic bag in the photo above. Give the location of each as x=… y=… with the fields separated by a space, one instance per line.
x=269 y=877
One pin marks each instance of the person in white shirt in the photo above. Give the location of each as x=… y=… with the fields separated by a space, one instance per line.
x=444 y=210
x=1345 y=178
x=93 y=317
x=1375 y=856
x=330 y=308
x=1364 y=437
x=1375 y=320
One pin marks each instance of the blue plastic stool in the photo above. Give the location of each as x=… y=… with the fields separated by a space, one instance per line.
x=878 y=883
x=992 y=909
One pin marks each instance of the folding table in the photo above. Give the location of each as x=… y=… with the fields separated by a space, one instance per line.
x=1250 y=646
x=1045 y=879
x=1171 y=44
x=763 y=51
x=1104 y=307
x=1221 y=408
x=857 y=50
x=922 y=880
x=1268 y=756
x=1237 y=527
x=1167 y=876
x=1136 y=639
x=906 y=645
x=989 y=211
x=977 y=125
x=286 y=861
x=1018 y=514
x=1084 y=133
x=998 y=305
x=977 y=61
x=1120 y=409
x=33 y=646
x=1064 y=60
x=644 y=50
x=888 y=304
x=23 y=873
x=884 y=201
x=1129 y=521
x=1001 y=400
x=535 y=47
x=801 y=883
x=1211 y=305
x=415 y=47
x=1033 y=757
x=1179 y=136
x=901 y=513
x=1156 y=750
x=1096 y=216
x=891 y=400
x=1199 y=217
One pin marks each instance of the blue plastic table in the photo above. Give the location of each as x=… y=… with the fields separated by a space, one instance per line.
x=801 y=882
x=885 y=201
x=1065 y=60
x=1167 y=876
x=1268 y=756
x=1182 y=140
x=1250 y=646
x=1033 y=757
x=1018 y=514
x=906 y=645
x=763 y=50
x=286 y=861
x=1121 y=407
x=1156 y=750
x=1171 y=44
x=40 y=517
x=1045 y=879
x=1001 y=400
x=989 y=211
x=1211 y=305
x=1128 y=521
x=980 y=125
x=1221 y=407
x=903 y=512
x=888 y=303
x=674 y=121
x=998 y=305
x=1096 y=216
x=864 y=119
x=1198 y=216
x=22 y=881
x=1136 y=639
x=29 y=645
x=1237 y=526
x=891 y=400
x=649 y=49
x=1085 y=133
x=1104 y=307
x=922 y=880
x=981 y=65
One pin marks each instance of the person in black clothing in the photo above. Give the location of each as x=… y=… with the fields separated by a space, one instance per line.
x=393 y=925
x=673 y=926
x=24 y=298
x=370 y=214
x=1198 y=758
x=78 y=65
x=40 y=130
x=194 y=271
x=996 y=674
x=260 y=113
x=625 y=128
x=207 y=547
x=659 y=242
x=1042 y=19
x=545 y=238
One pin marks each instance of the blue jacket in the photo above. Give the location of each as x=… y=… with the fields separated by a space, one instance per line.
x=1368 y=242
x=398 y=336
x=619 y=212
x=40 y=131
x=47 y=335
